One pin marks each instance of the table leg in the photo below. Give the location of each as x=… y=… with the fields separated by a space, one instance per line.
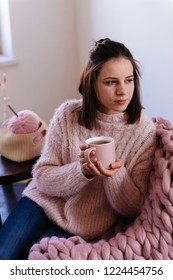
x=0 y=221
x=9 y=195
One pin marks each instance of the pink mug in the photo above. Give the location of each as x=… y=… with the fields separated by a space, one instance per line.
x=104 y=147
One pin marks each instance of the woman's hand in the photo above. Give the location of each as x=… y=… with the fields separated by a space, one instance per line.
x=96 y=168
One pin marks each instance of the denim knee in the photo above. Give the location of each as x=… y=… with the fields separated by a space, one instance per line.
x=21 y=229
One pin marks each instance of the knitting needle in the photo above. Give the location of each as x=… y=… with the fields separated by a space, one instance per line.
x=12 y=110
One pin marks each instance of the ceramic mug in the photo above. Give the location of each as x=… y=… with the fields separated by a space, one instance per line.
x=104 y=147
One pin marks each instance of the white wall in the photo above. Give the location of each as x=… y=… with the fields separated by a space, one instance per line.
x=43 y=33
x=145 y=26
x=51 y=39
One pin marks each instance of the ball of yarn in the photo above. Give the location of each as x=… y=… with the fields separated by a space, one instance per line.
x=31 y=113
x=24 y=123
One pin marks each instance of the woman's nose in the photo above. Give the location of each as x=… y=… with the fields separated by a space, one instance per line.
x=121 y=89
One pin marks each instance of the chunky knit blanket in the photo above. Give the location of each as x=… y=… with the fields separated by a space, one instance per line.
x=149 y=237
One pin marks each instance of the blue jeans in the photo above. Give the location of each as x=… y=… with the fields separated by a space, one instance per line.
x=26 y=225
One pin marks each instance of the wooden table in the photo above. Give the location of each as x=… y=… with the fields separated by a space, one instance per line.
x=11 y=171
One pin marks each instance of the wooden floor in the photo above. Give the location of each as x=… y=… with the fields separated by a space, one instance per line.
x=8 y=198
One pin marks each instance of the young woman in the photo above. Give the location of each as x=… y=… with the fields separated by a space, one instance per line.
x=69 y=196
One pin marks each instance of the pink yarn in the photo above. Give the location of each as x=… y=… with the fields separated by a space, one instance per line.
x=149 y=237
x=24 y=123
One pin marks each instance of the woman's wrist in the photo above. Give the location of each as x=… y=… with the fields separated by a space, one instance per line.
x=87 y=174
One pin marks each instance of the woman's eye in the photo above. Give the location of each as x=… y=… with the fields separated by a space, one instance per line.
x=129 y=81
x=109 y=83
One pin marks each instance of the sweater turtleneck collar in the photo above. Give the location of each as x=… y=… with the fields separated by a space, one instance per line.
x=119 y=117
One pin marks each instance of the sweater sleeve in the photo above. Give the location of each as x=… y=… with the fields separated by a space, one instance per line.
x=126 y=190
x=58 y=172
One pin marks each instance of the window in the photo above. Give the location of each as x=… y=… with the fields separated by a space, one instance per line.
x=6 y=50
x=0 y=33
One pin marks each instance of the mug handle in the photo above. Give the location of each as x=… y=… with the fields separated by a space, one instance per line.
x=87 y=154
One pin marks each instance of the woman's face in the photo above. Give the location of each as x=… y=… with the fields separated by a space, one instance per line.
x=115 y=85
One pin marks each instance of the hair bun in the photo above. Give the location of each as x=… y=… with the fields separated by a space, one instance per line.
x=101 y=41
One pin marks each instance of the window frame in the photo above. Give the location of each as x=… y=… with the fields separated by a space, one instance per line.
x=6 y=48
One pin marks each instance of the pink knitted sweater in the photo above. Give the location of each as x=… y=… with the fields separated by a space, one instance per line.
x=90 y=208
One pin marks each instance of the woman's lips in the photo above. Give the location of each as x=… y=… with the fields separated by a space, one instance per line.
x=121 y=102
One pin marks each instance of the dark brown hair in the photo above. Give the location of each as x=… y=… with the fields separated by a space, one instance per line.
x=104 y=50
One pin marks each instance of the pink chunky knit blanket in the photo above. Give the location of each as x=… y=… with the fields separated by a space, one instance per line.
x=149 y=237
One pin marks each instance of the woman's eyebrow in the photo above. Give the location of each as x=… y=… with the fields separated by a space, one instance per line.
x=115 y=78
x=111 y=78
x=131 y=76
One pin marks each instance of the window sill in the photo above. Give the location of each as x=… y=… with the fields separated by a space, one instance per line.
x=7 y=61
